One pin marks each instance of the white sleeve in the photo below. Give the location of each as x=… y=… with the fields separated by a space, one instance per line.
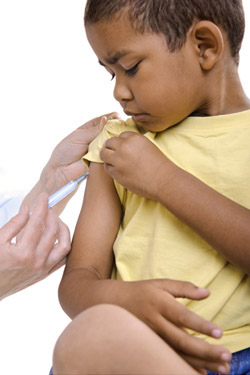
x=9 y=207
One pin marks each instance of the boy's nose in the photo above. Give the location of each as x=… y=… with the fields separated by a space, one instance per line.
x=122 y=92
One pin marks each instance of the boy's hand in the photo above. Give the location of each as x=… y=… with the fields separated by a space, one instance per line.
x=157 y=307
x=134 y=161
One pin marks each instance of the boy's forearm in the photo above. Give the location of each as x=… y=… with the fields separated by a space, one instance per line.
x=221 y=222
x=152 y=302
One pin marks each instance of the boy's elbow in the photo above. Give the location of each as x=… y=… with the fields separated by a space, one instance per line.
x=68 y=296
x=64 y=297
x=74 y=292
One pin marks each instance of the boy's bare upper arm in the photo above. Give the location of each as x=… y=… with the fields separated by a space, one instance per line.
x=97 y=225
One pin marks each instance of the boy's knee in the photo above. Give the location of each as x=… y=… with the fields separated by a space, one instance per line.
x=88 y=333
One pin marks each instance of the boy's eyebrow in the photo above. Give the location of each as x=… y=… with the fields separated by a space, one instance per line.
x=114 y=58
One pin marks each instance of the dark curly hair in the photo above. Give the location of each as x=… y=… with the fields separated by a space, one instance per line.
x=173 y=18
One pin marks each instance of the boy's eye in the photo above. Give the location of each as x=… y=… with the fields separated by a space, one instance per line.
x=110 y=72
x=132 y=71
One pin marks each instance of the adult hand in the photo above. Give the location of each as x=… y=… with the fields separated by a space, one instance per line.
x=66 y=157
x=135 y=162
x=65 y=163
x=154 y=302
x=40 y=249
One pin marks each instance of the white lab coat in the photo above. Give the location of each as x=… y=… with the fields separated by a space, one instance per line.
x=9 y=206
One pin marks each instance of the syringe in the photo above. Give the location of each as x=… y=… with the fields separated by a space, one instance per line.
x=66 y=190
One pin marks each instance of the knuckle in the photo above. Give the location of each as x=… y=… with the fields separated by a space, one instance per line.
x=102 y=154
x=181 y=343
x=106 y=167
x=52 y=229
x=25 y=258
x=125 y=147
x=38 y=225
x=39 y=266
x=182 y=316
x=65 y=248
x=14 y=220
x=189 y=285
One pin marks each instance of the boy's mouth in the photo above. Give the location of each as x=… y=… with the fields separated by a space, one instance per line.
x=137 y=116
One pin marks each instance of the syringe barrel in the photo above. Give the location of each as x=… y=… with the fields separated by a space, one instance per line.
x=62 y=193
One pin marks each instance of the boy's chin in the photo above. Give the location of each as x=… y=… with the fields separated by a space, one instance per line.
x=153 y=126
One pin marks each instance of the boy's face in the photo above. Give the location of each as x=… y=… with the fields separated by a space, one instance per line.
x=154 y=86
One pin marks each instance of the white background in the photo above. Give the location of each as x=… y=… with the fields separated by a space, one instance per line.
x=50 y=83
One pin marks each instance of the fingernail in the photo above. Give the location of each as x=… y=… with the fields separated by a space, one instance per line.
x=104 y=120
x=225 y=357
x=217 y=333
x=222 y=369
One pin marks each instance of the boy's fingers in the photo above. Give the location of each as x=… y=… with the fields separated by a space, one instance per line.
x=200 y=365
x=182 y=289
x=107 y=155
x=182 y=316
x=112 y=143
x=185 y=318
x=128 y=134
x=192 y=346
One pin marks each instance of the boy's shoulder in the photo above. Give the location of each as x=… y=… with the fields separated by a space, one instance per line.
x=113 y=128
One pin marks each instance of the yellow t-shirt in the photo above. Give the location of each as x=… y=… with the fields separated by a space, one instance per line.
x=153 y=243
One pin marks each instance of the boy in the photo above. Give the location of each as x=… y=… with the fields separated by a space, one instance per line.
x=175 y=63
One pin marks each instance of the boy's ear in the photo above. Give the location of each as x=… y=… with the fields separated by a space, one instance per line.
x=209 y=43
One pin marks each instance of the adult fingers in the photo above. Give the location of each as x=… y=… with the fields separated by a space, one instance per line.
x=57 y=266
x=49 y=236
x=96 y=121
x=61 y=249
x=15 y=225
x=36 y=224
x=98 y=124
x=113 y=115
x=54 y=244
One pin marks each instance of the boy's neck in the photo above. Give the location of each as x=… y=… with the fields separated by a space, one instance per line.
x=225 y=94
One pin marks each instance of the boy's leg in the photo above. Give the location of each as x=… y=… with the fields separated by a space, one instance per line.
x=107 y=339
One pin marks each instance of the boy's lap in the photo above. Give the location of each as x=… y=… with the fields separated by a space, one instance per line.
x=240 y=364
